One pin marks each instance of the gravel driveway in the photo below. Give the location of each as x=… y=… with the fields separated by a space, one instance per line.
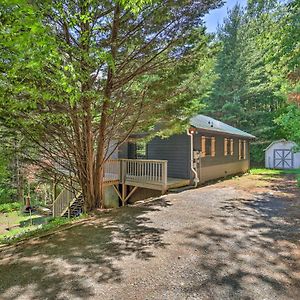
x=237 y=239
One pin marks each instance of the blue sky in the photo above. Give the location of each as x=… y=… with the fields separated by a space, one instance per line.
x=216 y=16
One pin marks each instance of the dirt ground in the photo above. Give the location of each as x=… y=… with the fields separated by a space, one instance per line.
x=237 y=239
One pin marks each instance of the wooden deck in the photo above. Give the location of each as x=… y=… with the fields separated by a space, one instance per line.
x=120 y=173
x=140 y=173
x=172 y=183
x=145 y=173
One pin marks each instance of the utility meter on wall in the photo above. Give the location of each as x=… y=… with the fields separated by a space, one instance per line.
x=196 y=158
x=196 y=154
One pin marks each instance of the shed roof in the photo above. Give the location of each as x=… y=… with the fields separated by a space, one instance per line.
x=208 y=123
x=280 y=141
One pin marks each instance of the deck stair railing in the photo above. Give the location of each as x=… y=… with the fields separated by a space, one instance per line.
x=62 y=202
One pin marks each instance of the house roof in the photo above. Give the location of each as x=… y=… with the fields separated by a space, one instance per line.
x=208 y=123
x=280 y=141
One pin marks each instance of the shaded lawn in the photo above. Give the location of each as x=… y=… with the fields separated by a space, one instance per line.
x=18 y=222
x=275 y=172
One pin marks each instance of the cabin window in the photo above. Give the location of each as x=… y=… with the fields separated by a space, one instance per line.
x=213 y=146
x=228 y=146
x=203 y=146
x=242 y=149
x=141 y=150
x=208 y=146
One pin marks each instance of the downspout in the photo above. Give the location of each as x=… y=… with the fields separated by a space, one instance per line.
x=196 y=179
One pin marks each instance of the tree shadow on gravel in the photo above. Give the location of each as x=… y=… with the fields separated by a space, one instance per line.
x=71 y=263
x=249 y=249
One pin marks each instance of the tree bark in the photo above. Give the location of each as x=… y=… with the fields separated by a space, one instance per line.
x=87 y=178
x=100 y=154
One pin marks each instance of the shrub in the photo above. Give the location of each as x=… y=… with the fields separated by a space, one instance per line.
x=9 y=207
x=257 y=154
x=7 y=195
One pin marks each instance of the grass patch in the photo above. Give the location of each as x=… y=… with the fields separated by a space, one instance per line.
x=19 y=233
x=16 y=223
x=272 y=172
x=17 y=218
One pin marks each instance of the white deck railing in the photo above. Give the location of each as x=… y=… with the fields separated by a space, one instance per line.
x=126 y=171
x=112 y=170
x=138 y=170
x=144 y=170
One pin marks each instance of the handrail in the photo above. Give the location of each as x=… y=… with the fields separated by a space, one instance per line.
x=143 y=160
x=62 y=202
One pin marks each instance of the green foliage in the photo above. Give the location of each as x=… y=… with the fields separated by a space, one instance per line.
x=7 y=194
x=134 y=5
x=9 y=207
x=284 y=55
x=290 y=121
x=257 y=153
x=76 y=76
x=252 y=86
x=8 y=170
x=285 y=38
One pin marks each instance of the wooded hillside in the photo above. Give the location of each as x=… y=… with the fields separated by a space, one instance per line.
x=257 y=70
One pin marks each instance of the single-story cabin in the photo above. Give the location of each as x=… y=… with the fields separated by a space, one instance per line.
x=208 y=150
x=281 y=155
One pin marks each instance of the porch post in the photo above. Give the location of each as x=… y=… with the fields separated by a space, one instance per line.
x=165 y=176
x=124 y=187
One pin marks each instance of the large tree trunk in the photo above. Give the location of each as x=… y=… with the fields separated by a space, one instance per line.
x=101 y=146
x=87 y=176
x=100 y=158
x=89 y=158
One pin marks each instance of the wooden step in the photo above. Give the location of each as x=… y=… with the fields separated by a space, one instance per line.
x=76 y=208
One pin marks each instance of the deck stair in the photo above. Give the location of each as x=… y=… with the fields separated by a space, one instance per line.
x=75 y=208
x=68 y=204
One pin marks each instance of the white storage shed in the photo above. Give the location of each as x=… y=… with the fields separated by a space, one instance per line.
x=281 y=155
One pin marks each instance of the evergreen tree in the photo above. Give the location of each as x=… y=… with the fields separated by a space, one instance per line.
x=228 y=88
x=285 y=59
x=245 y=94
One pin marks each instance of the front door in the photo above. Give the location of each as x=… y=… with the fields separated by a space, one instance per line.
x=283 y=159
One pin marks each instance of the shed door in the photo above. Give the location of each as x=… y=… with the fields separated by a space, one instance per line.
x=283 y=159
